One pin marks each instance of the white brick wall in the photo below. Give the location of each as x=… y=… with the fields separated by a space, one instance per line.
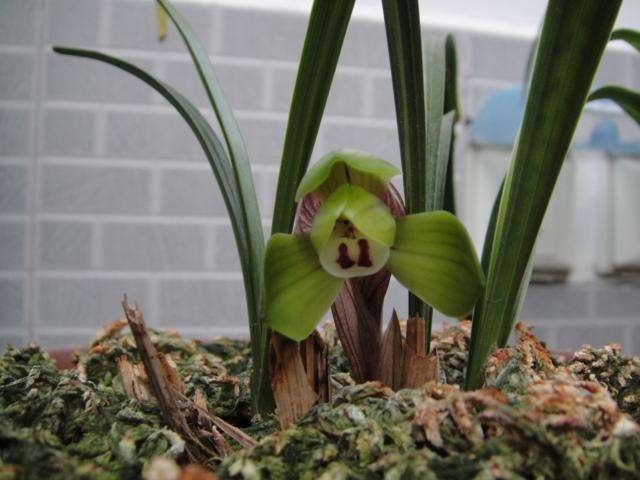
x=103 y=189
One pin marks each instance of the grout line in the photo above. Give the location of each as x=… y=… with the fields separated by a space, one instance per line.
x=14 y=275
x=4 y=332
x=168 y=110
x=136 y=163
x=38 y=85
x=18 y=161
x=19 y=49
x=137 y=275
x=13 y=218
x=133 y=219
x=203 y=332
x=20 y=104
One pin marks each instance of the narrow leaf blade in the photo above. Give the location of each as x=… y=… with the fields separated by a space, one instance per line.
x=248 y=201
x=451 y=103
x=487 y=245
x=628 y=100
x=404 y=41
x=402 y=22
x=571 y=44
x=323 y=42
x=632 y=37
x=434 y=85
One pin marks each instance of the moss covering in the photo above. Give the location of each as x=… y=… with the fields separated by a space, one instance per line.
x=537 y=417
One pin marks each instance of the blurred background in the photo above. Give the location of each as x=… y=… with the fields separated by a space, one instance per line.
x=103 y=189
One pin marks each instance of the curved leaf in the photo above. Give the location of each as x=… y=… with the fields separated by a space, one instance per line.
x=248 y=202
x=632 y=37
x=322 y=45
x=628 y=100
x=298 y=290
x=222 y=170
x=451 y=103
x=434 y=258
x=574 y=36
x=208 y=139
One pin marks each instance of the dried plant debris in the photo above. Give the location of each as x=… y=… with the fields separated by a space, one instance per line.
x=99 y=420
x=545 y=423
x=548 y=419
x=559 y=429
x=219 y=368
x=620 y=375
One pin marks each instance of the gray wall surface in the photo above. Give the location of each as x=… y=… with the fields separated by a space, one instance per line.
x=103 y=189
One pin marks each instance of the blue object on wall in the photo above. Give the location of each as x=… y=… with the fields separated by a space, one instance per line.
x=606 y=136
x=499 y=118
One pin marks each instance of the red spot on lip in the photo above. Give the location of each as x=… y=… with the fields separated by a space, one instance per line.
x=343 y=257
x=364 y=260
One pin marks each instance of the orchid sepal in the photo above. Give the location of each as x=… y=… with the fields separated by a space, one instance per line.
x=434 y=258
x=347 y=167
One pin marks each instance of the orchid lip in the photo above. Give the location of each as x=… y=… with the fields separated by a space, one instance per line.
x=348 y=254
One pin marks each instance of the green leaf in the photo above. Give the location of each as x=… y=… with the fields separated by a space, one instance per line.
x=434 y=85
x=486 y=256
x=573 y=39
x=212 y=147
x=402 y=22
x=442 y=163
x=451 y=99
x=632 y=37
x=434 y=258
x=451 y=103
x=322 y=45
x=347 y=166
x=243 y=178
x=364 y=210
x=628 y=100
x=298 y=290
x=436 y=158
x=487 y=246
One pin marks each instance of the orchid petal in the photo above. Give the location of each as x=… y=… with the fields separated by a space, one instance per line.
x=366 y=212
x=298 y=290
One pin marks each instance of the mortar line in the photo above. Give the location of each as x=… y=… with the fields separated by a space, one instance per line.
x=30 y=297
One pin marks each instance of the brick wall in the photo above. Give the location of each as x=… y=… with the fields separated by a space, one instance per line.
x=103 y=189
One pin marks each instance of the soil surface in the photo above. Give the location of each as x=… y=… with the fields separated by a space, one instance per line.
x=537 y=416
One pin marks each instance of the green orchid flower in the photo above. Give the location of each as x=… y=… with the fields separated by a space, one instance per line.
x=354 y=234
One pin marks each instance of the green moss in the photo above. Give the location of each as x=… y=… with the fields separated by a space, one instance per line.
x=552 y=420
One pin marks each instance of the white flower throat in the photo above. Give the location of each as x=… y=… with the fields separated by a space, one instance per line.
x=349 y=254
